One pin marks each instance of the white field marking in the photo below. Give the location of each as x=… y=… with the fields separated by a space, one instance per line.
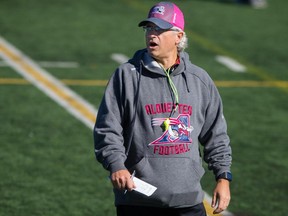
x=61 y=64
x=231 y=63
x=51 y=86
x=119 y=58
x=49 y=64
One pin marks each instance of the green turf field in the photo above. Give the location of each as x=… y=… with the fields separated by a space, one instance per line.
x=46 y=155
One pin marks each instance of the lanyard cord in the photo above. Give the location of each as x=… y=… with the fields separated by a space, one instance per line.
x=172 y=86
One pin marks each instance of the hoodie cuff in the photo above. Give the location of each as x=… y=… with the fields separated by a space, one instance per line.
x=116 y=167
x=222 y=170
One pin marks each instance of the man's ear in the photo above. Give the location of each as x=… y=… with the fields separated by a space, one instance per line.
x=179 y=37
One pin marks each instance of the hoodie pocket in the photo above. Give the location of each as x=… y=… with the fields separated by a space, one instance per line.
x=177 y=179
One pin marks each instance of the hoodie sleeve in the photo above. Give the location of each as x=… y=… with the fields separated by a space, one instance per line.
x=108 y=130
x=213 y=136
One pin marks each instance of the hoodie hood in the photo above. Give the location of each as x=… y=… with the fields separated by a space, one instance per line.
x=153 y=66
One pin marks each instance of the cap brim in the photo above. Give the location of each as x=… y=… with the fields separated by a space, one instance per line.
x=159 y=22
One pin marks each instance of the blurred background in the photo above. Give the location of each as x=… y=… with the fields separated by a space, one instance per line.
x=46 y=154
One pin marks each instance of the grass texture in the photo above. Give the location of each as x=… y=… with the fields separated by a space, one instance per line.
x=46 y=156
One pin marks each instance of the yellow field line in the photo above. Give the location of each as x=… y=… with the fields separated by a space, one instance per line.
x=249 y=83
x=85 y=82
x=13 y=81
x=103 y=83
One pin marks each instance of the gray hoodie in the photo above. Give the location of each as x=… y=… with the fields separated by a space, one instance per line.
x=166 y=157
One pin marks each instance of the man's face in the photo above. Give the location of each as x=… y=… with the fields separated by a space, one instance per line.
x=161 y=43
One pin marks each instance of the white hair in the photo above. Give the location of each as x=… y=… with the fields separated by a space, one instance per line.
x=184 y=40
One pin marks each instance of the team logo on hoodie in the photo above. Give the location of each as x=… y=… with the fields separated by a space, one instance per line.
x=175 y=137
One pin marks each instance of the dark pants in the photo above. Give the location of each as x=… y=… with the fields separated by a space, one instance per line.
x=197 y=210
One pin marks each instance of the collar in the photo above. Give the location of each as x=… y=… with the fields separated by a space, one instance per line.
x=173 y=67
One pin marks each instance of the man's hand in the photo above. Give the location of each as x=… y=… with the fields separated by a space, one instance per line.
x=221 y=196
x=122 y=180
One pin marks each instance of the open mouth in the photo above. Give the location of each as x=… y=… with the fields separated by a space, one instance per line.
x=152 y=44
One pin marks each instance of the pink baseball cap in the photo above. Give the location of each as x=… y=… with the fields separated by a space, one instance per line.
x=165 y=15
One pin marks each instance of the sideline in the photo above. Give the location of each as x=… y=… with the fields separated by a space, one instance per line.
x=52 y=87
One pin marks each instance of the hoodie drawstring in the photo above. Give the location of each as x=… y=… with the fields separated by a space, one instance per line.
x=173 y=87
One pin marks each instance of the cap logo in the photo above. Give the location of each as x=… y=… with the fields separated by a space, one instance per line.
x=158 y=10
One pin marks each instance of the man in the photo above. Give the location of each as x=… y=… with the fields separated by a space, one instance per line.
x=156 y=110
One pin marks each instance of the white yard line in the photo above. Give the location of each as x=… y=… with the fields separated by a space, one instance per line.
x=60 y=93
x=119 y=58
x=231 y=63
x=60 y=64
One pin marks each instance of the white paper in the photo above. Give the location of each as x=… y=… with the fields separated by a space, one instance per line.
x=143 y=187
